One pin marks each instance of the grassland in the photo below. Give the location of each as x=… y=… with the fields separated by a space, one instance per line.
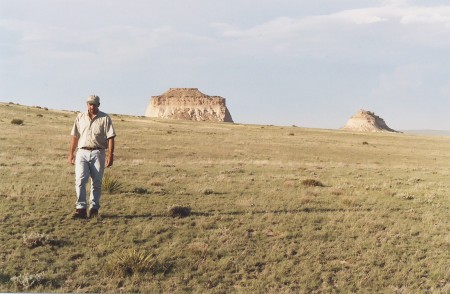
x=378 y=223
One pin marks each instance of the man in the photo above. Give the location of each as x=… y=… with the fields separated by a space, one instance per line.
x=92 y=133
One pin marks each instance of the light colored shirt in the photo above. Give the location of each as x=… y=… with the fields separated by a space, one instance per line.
x=93 y=133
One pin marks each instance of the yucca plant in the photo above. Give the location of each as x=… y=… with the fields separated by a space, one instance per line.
x=111 y=184
x=129 y=262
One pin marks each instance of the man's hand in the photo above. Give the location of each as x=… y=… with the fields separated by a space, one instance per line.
x=71 y=159
x=110 y=160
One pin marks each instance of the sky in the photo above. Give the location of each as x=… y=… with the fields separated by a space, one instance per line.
x=277 y=62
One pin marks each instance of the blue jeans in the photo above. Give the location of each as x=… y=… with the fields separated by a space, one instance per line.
x=89 y=164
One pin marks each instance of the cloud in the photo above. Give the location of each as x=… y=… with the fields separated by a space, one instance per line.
x=352 y=34
x=46 y=46
x=362 y=23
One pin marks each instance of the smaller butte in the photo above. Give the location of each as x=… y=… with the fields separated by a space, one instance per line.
x=367 y=121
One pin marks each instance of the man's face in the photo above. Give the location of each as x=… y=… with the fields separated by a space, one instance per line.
x=92 y=108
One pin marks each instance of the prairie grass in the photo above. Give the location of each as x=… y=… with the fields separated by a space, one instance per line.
x=379 y=223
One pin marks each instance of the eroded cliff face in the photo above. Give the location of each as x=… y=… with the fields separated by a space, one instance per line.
x=188 y=104
x=367 y=121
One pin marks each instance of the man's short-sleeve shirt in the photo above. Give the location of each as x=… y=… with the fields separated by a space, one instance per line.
x=93 y=133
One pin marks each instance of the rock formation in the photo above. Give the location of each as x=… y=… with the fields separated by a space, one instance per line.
x=367 y=121
x=188 y=104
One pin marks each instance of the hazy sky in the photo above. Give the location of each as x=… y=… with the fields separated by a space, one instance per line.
x=282 y=62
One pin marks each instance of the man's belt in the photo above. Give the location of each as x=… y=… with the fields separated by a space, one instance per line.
x=91 y=148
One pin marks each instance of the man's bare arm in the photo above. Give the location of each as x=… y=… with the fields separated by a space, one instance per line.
x=110 y=157
x=73 y=146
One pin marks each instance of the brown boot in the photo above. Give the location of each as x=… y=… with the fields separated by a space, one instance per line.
x=79 y=213
x=93 y=213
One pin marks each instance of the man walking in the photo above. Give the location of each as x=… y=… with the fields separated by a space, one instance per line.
x=92 y=133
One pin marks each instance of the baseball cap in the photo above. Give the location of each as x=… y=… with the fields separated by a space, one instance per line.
x=93 y=99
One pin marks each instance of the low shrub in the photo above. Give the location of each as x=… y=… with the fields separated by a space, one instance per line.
x=312 y=183
x=17 y=121
x=156 y=183
x=179 y=211
x=4 y=278
x=139 y=190
x=407 y=196
x=208 y=191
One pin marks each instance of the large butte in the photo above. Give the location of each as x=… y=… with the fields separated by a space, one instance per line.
x=188 y=104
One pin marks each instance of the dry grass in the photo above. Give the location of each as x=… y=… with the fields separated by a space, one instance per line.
x=27 y=281
x=34 y=239
x=378 y=224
